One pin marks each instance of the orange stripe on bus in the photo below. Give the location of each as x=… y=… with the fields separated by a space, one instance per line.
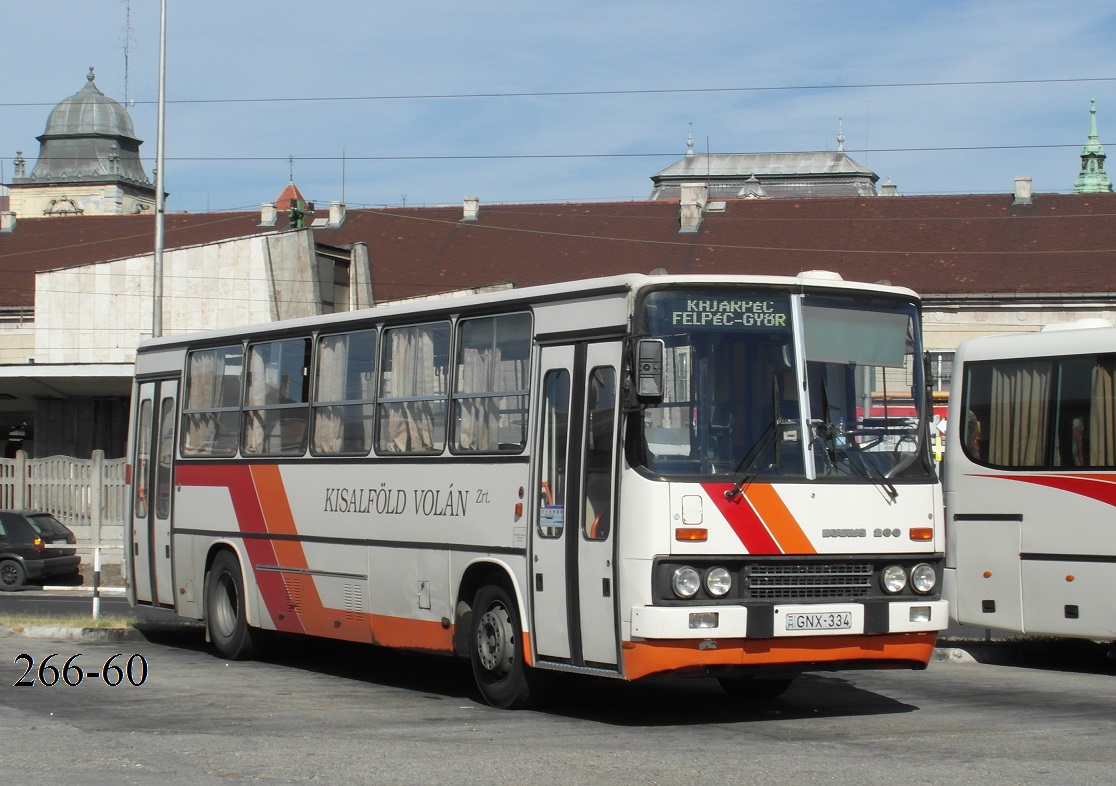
x=643 y=658
x=411 y=634
x=779 y=520
x=302 y=598
x=277 y=515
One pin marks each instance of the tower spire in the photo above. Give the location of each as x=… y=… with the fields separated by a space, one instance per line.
x=1092 y=179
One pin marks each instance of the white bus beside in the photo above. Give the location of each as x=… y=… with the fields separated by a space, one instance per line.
x=1030 y=479
x=631 y=476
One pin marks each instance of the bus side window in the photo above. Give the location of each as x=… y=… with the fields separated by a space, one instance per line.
x=553 y=442
x=276 y=403
x=599 y=441
x=412 y=396
x=211 y=408
x=490 y=390
x=344 y=391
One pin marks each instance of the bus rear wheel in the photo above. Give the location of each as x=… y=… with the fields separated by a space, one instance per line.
x=496 y=649
x=226 y=615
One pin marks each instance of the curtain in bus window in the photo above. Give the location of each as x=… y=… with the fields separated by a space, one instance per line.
x=1020 y=408
x=212 y=400
x=343 y=393
x=201 y=427
x=479 y=425
x=254 y=432
x=332 y=359
x=417 y=373
x=1102 y=414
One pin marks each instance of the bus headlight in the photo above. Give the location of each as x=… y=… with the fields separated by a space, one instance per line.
x=923 y=578
x=718 y=582
x=893 y=579
x=685 y=582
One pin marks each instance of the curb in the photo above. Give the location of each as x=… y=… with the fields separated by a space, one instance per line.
x=73 y=633
x=85 y=588
x=952 y=655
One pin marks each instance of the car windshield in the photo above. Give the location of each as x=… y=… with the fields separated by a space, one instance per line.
x=743 y=397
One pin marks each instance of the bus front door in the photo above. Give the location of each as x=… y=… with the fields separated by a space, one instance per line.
x=152 y=487
x=573 y=575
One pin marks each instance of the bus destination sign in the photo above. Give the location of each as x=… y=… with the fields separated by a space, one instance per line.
x=730 y=312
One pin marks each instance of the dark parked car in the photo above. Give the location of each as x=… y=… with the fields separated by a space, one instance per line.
x=24 y=554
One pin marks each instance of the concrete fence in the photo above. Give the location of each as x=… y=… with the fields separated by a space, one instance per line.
x=87 y=495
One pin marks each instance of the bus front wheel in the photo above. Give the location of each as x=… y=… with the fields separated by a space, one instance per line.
x=226 y=615
x=496 y=649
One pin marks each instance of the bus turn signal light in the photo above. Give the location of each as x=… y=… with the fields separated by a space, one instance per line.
x=922 y=533
x=691 y=533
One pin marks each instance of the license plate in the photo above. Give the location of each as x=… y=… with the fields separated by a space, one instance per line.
x=820 y=620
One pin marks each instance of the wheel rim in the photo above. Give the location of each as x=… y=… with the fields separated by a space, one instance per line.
x=496 y=641
x=9 y=574
x=225 y=606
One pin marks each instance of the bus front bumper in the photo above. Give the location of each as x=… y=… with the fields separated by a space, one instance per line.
x=787 y=620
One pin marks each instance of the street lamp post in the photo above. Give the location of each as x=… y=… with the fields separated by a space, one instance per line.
x=160 y=199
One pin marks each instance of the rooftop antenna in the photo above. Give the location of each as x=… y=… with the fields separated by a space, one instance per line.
x=128 y=38
x=290 y=160
x=342 y=175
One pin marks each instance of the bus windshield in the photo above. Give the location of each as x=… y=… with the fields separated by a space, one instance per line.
x=763 y=383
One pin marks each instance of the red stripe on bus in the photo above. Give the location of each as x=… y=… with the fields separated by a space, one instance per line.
x=1102 y=488
x=245 y=496
x=743 y=518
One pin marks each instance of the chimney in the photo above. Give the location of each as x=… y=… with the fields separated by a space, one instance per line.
x=472 y=209
x=7 y=222
x=694 y=197
x=268 y=214
x=336 y=213
x=1022 y=191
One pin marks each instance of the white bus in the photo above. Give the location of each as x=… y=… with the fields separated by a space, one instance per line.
x=1030 y=478
x=628 y=476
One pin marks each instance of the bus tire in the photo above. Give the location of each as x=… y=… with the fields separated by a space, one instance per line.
x=226 y=614
x=755 y=688
x=496 y=649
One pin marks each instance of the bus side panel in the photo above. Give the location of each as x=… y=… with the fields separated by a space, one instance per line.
x=987 y=581
x=1076 y=598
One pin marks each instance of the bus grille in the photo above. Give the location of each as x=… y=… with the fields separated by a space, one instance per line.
x=809 y=581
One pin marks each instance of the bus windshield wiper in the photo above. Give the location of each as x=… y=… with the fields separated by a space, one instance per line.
x=768 y=437
x=867 y=471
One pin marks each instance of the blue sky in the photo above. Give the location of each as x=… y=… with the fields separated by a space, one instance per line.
x=426 y=101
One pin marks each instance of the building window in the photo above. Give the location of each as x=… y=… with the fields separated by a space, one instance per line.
x=941 y=370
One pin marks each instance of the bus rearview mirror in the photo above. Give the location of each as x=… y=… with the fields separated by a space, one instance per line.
x=649 y=368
